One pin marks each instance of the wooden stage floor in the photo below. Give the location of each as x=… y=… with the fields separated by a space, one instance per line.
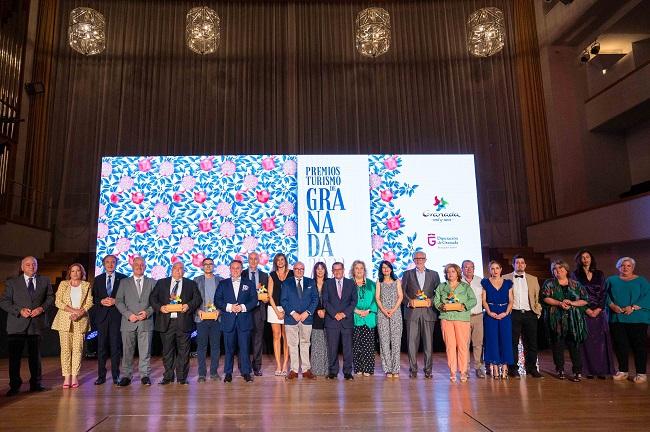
x=365 y=404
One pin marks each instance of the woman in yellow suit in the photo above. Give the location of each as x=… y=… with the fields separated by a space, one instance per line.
x=73 y=299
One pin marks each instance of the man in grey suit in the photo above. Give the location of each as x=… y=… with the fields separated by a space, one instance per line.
x=137 y=322
x=25 y=300
x=420 y=320
x=208 y=332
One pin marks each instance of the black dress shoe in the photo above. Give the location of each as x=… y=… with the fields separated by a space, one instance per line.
x=331 y=376
x=13 y=392
x=535 y=374
x=124 y=382
x=561 y=375
x=248 y=378
x=116 y=381
x=165 y=381
x=428 y=375
x=575 y=377
x=413 y=374
x=100 y=381
x=257 y=373
x=145 y=381
x=37 y=388
x=348 y=376
x=183 y=382
x=228 y=378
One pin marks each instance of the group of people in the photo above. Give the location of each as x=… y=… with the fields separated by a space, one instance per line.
x=581 y=311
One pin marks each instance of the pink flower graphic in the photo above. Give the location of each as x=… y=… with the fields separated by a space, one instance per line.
x=289 y=167
x=115 y=198
x=200 y=197
x=263 y=196
x=223 y=271
x=249 y=243
x=286 y=208
x=122 y=245
x=188 y=182
x=250 y=181
x=390 y=162
x=377 y=242
x=375 y=181
x=174 y=259
x=268 y=163
x=126 y=183
x=142 y=226
x=107 y=169
x=290 y=228
x=394 y=223
x=227 y=229
x=132 y=257
x=137 y=197
x=224 y=209
x=102 y=211
x=386 y=195
x=205 y=225
x=144 y=165
x=164 y=230
x=166 y=168
x=177 y=197
x=161 y=210
x=239 y=197
x=206 y=164
x=102 y=230
x=197 y=260
x=187 y=244
x=158 y=272
x=389 y=256
x=264 y=258
x=268 y=224
x=228 y=168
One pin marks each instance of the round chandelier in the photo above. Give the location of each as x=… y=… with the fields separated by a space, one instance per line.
x=202 y=30
x=87 y=31
x=485 y=32
x=373 y=32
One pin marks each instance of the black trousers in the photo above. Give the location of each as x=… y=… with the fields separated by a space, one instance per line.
x=626 y=337
x=344 y=335
x=109 y=343
x=176 y=351
x=257 y=339
x=15 y=345
x=558 y=345
x=524 y=324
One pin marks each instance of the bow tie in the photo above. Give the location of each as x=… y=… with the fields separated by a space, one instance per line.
x=519 y=276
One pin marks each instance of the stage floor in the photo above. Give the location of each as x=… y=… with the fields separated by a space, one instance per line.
x=365 y=404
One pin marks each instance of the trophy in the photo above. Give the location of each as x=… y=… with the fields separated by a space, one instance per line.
x=420 y=300
x=211 y=312
x=175 y=304
x=452 y=303
x=262 y=294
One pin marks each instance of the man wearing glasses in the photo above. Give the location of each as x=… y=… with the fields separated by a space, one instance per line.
x=208 y=332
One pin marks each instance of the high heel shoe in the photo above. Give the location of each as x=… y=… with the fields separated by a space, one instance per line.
x=504 y=372
x=494 y=371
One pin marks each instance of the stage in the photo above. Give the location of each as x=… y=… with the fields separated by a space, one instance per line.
x=367 y=403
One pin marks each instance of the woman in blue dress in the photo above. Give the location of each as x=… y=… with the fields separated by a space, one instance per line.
x=497 y=322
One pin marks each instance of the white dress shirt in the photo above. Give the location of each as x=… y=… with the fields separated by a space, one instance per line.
x=236 y=285
x=520 y=287
x=178 y=293
x=478 y=292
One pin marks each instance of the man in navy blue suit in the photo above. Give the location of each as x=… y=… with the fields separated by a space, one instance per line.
x=236 y=297
x=339 y=300
x=299 y=299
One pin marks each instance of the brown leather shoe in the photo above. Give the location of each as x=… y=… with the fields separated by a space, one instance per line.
x=308 y=375
x=292 y=375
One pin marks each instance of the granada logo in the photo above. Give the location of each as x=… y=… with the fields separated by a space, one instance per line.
x=439 y=203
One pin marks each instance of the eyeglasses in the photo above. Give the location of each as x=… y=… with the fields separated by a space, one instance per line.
x=420 y=259
x=298 y=269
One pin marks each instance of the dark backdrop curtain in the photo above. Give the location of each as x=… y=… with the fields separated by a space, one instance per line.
x=286 y=79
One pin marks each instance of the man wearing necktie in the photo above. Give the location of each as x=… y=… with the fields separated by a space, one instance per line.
x=259 y=278
x=25 y=300
x=299 y=299
x=526 y=311
x=175 y=327
x=339 y=300
x=107 y=319
x=236 y=297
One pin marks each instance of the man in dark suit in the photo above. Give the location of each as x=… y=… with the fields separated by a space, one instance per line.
x=107 y=319
x=25 y=300
x=175 y=327
x=236 y=297
x=259 y=278
x=299 y=299
x=421 y=320
x=339 y=299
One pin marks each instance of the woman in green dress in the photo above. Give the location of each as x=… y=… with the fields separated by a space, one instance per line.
x=365 y=321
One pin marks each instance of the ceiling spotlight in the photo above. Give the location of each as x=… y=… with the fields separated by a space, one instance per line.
x=595 y=48
x=584 y=57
